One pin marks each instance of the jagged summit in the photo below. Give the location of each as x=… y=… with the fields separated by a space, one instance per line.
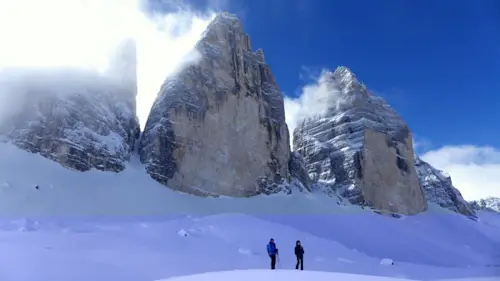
x=227 y=29
x=226 y=17
x=224 y=22
x=349 y=85
x=224 y=29
x=344 y=90
x=343 y=73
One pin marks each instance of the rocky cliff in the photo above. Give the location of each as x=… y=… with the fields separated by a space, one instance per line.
x=218 y=127
x=489 y=204
x=79 y=118
x=439 y=189
x=361 y=148
x=299 y=172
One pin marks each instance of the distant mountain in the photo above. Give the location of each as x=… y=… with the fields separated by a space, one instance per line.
x=491 y=204
x=79 y=118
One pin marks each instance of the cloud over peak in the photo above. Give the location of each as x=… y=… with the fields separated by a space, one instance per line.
x=475 y=170
x=85 y=34
x=315 y=99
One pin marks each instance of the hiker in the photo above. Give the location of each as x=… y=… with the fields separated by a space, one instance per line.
x=299 y=253
x=272 y=251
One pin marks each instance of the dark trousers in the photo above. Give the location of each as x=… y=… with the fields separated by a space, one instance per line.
x=301 y=261
x=273 y=261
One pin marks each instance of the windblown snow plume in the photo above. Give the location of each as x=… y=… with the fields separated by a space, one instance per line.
x=165 y=51
x=85 y=34
x=315 y=99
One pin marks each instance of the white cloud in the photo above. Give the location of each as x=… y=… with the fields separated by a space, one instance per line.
x=475 y=171
x=63 y=32
x=421 y=144
x=315 y=99
x=84 y=33
x=166 y=51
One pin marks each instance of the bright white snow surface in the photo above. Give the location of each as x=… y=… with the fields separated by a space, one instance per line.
x=99 y=226
x=266 y=275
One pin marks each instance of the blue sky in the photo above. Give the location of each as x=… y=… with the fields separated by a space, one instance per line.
x=436 y=62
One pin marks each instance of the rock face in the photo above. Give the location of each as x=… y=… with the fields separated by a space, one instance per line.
x=78 y=118
x=439 y=189
x=361 y=148
x=490 y=204
x=298 y=171
x=218 y=127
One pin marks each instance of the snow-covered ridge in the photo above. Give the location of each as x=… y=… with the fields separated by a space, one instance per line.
x=439 y=189
x=486 y=204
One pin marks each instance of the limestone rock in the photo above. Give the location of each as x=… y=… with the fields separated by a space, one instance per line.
x=360 y=147
x=79 y=118
x=218 y=126
x=439 y=189
x=298 y=171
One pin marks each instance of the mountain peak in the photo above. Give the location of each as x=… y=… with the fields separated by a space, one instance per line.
x=342 y=73
x=225 y=21
x=224 y=30
x=228 y=17
x=343 y=81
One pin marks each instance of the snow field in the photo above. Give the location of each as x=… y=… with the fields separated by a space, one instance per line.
x=105 y=226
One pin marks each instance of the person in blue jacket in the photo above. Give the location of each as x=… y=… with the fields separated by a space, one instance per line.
x=272 y=251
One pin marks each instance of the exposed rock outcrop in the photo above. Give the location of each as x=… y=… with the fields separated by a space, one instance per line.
x=439 y=189
x=361 y=148
x=79 y=118
x=218 y=127
x=489 y=204
x=298 y=171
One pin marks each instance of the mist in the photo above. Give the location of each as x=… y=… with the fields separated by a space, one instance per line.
x=315 y=99
x=43 y=36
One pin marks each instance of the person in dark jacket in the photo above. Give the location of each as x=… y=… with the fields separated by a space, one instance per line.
x=299 y=253
x=272 y=251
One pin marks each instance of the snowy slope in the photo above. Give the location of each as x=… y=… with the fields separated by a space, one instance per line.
x=290 y=275
x=126 y=226
x=157 y=248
